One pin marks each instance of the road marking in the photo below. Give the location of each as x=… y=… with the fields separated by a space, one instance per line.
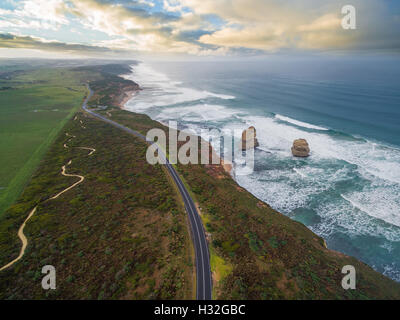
x=197 y=228
x=189 y=209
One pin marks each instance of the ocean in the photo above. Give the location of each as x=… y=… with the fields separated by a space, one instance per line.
x=348 y=109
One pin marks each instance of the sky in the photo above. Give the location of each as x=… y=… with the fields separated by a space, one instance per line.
x=196 y=28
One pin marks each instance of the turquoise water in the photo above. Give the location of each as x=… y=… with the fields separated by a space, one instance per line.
x=348 y=190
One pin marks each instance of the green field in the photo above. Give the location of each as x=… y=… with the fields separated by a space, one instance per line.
x=34 y=106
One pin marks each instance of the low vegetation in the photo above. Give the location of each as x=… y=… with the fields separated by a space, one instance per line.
x=121 y=234
x=109 y=88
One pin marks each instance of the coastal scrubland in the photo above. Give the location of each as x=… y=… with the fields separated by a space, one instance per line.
x=121 y=234
x=109 y=88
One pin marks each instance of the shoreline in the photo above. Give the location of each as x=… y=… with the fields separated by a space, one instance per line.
x=229 y=169
x=217 y=175
x=225 y=164
x=130 y=94
x=127 y=95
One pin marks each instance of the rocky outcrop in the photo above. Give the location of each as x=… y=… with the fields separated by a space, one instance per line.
x=300 y=148
x=249 y=139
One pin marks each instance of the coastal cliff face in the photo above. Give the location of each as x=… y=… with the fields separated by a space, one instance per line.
x=300 y=148
x=110 y=89
x=249 y=139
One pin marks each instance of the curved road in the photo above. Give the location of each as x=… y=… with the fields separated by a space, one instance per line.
x=203 y=269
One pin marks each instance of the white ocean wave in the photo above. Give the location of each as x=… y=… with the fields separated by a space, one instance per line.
x=378 y=160
x=198 y=112
x=160 y=90
x=379 y=202
x=299 y=123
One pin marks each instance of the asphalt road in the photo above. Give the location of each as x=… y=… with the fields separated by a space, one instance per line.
x=203 y=269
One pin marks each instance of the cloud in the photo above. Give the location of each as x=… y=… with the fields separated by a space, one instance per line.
x=38 y=10
x=265 y=38
x=207 y=27
x=11 y=41
x=144 y=30
x=327 y=22
x=35 y=14
x=273 y=25
x=50 y=10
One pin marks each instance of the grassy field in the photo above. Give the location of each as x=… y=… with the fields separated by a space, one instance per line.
x=34 y=106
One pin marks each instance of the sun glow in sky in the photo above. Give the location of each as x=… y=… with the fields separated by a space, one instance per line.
x=194 y=27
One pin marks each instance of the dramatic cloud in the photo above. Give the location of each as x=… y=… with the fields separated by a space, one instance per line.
x=37 y=14
x=272 y=25
x=205 y=27
x=27 y=42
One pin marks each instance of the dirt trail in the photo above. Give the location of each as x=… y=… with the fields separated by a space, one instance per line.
x=21 y=235
x=23 y=239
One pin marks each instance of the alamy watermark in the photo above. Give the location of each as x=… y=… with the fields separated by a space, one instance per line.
x=49 y=280
x=349 y=21
x=349 y=280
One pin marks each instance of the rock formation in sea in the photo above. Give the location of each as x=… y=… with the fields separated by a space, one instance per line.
x=300 y=148
x=249 y=139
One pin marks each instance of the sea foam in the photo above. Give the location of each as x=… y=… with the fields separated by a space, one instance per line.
x=162 y=91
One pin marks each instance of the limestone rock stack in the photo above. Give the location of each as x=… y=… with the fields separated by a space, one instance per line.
x=300 y=148
x=249 y=139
